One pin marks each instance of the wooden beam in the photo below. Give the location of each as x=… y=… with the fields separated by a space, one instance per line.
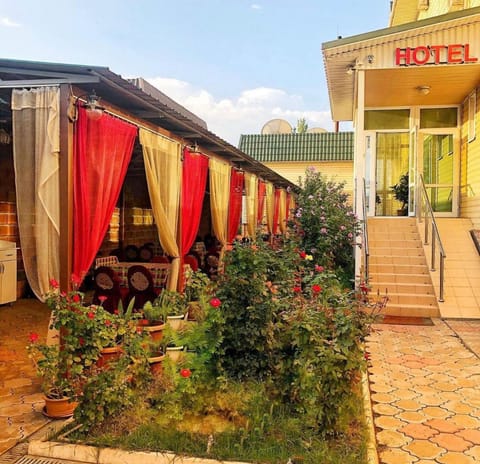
x=66 y=190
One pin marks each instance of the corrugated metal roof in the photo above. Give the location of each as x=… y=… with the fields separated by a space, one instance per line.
x=327 y=146
x=122 y=93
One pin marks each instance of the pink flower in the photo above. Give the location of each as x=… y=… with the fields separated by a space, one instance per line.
x=350 y=235
x=33 y=337
x=185 y=373
x=102 y=298
x=215 y=302
x=297 y=289
x=319 y=268
x=91 y=315
x=316 y=288
x=54 y=283
x=76 y=298
x=323 y=230
x=342 y=227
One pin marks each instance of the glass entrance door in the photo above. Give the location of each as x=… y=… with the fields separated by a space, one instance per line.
x=439 y=168
x=392 y=168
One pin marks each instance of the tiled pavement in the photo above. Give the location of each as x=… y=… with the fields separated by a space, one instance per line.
x=424 y=382
x=20 y=398
x=425 y=392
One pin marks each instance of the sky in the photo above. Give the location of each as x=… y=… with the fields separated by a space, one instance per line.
x=235 y=63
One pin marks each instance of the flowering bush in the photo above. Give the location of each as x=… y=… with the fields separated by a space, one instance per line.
x=83 y=331
x=326 y=224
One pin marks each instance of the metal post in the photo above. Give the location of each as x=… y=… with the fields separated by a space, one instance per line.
x=442 y=269
x=433 y=250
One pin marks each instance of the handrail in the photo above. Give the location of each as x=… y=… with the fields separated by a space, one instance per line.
x=366 y=252
x=435 y=233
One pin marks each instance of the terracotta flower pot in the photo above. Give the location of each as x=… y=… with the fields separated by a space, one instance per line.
x=155 y=331
x=59 y=408
x=109 y=355
x=156 y=363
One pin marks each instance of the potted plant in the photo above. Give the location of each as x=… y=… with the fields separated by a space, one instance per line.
x=400 y=193
x=58 y=386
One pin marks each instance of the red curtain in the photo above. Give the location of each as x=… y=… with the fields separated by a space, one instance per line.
x=235 y=203
x=194 y=181
x=276 y=212
x=287 y=207
x=102 y=151
x=262 y=188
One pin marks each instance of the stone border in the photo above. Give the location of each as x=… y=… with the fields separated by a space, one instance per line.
x=372 y=455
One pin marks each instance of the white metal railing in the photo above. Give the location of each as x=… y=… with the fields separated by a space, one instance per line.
x=364 y=229
x=425 y=214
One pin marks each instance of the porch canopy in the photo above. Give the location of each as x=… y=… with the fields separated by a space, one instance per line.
x=435 y=61
x=134 y=101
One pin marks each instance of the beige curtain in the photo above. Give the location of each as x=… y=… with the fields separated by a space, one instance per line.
x=163 y=168
x=36 y=147
x=282 y=211
x=219 y=196
x=251 y=190
x=270 y=203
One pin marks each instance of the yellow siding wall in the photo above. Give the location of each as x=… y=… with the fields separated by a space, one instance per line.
x=439 y=7
x=340 y=171
x=470 y=168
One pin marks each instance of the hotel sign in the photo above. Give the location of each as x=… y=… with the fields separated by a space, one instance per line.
x=434 y=54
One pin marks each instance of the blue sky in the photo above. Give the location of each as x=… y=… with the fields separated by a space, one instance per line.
x=234 y=63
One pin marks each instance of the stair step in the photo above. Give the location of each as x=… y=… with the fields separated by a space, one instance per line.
x=402 y=260
x=412 y=299
x=399 y=287
x=396 y=251
x=398 y=268
x=378 y=278
x=383 y=243
x=405 y=310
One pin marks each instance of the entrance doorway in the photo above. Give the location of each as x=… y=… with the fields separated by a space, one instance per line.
x=398 y=157
x=440 y=171
x=391 y=167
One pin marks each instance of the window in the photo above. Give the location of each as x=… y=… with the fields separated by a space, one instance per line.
x=386 y=119
x=431 y=118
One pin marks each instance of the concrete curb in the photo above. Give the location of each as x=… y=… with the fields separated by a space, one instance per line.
x=93 y=455
x=372 y=455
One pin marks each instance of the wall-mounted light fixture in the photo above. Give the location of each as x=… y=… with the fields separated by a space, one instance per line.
x=350 y=68
x=94 y=111
x=423 y=89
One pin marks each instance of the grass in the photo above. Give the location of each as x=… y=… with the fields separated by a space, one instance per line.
x=237 y=423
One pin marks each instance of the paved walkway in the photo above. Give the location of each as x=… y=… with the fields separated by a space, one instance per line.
x=21 y=402
x=425 y=391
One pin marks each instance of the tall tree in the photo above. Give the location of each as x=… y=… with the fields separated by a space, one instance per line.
x=302 y=126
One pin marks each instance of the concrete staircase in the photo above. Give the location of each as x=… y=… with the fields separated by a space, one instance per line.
x=398 y=266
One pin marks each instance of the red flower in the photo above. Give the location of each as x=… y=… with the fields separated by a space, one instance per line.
x=102 y=298
x=316 y=288
x=297 y=289
x=76 y=279
x=76 y=298
x=33 y=337
x=215 y=302
x=367 y=356
x=319 y=268
x=91 y=315
x=53 y=283
x=81 y=341
x=185 y=373
x=302 y=254
x=116 y=312
x=108 y=322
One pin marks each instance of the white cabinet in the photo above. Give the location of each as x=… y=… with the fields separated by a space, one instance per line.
x=8 y=272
